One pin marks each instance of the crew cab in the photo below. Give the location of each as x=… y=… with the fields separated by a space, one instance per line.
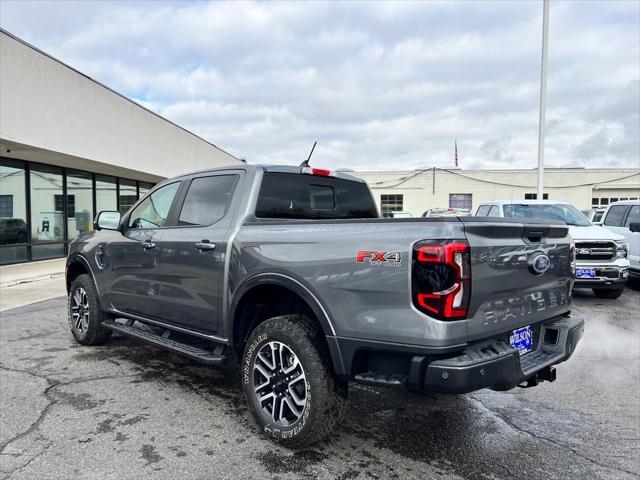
x=602 y=256
x=291 y=271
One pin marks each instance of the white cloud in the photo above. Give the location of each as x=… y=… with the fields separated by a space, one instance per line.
x=380 y=85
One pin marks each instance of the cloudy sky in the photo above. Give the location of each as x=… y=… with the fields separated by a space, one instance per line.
x=379 y=85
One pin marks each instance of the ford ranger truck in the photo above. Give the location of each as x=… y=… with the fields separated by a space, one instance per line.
x=602 y=256
x=291 y=271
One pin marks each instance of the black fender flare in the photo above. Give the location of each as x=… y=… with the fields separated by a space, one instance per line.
x=290 y=283
x=78 y=258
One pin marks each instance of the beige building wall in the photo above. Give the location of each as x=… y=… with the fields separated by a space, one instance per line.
x=53 y=114
x=576 y=185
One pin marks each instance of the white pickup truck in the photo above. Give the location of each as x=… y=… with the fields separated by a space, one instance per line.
x=602 y=256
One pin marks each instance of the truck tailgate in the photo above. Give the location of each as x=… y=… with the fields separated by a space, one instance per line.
x=510 y=286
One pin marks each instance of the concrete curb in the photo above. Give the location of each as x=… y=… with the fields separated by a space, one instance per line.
x=13 y=283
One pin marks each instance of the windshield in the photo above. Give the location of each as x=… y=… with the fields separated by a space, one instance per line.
x=547 y=211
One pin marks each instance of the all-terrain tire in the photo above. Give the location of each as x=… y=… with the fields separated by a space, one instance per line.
x=611 y=293
x=84 y=313
x=325 y=397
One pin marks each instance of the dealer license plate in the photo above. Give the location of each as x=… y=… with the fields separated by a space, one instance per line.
x=585 y=273
x=522 y=339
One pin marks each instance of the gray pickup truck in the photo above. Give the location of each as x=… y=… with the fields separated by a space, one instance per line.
x=291 y=271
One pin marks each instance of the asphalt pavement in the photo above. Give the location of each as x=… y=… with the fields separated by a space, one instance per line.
x=127 y=410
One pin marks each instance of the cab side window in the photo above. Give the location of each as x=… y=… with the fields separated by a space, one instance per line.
x=615 y=215
x=482 y=211
x=153 y=211
x=207 y=200
x=494 y=212
x=634 y=216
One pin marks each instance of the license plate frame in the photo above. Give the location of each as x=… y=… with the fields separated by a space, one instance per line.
x=585 y=273
x=522 y=339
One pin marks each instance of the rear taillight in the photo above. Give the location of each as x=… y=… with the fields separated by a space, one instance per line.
x=441 y=278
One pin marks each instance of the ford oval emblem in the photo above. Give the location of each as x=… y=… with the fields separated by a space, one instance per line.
x=539 y=263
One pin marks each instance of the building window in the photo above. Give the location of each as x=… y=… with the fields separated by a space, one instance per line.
x=44 y=230
x=47 y=216
x=71 y=205
x=13 y=212
x=79 y=203
x=106 y=193
x=143 y=188
x=128 y=194
x=534 y=196
x=460 y=200
x=390 y=204
x=6 y=206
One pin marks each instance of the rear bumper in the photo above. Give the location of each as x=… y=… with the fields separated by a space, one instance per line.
x=492 y=363
x=497 y=365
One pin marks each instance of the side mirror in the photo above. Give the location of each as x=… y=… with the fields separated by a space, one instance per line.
x=107 y=220
x=634 y=227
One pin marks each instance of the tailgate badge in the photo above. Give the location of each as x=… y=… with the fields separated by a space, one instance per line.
x=539 y=263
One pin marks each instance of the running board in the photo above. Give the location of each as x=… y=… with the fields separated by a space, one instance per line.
x=208 y=357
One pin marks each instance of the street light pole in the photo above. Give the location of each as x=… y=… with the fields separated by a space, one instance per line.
x=543 y=98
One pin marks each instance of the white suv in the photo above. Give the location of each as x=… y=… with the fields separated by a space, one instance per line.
x=624 y=218
x=602 y=256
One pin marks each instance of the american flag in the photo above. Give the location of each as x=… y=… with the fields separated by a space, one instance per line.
x=456 y=155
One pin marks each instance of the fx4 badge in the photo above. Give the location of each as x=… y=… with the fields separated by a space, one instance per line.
x=379 y=258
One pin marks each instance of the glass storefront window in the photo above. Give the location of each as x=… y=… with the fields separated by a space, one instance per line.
x=42 y=231
x=128 y=194
x=79 y=203
x=144 y=187
x=13 y=212
x=106 y=193
x=47 y=211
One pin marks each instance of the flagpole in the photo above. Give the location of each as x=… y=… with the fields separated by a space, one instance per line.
x=543 y=98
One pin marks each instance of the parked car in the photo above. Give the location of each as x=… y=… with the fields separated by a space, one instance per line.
x=602 y=256
x=594 y=215
x=446 y=212
x=624 y=218
x=290 y=270
x=12 y=230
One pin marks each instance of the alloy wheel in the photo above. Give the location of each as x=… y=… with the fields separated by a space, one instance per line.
x=279 y=383
x=80 y=310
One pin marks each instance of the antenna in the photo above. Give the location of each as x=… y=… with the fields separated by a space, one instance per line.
x=306 y=162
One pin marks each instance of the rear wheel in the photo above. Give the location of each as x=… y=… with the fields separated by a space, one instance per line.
x=611 y=293
x=85 y=315
x=288 y=382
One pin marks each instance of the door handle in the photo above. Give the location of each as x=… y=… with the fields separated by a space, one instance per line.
x=205 y=245
x=148 y=245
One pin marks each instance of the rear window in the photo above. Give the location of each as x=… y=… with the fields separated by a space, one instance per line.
x=290 y=195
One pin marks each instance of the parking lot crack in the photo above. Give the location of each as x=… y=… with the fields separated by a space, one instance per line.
x=28 y=462
x=512 y=425
x=47 y=393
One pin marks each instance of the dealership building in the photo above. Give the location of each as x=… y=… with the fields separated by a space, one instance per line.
x=71 y=147
x=416 y=191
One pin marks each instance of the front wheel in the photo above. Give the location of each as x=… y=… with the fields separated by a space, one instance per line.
x=85 y=315
x=611 y=293
x=288 y=382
